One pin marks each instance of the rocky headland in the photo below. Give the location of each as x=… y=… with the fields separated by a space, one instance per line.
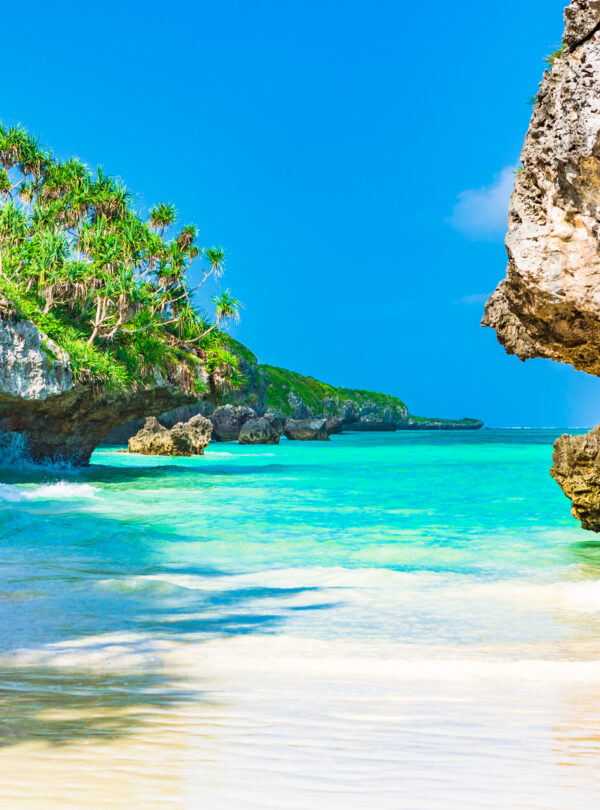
x=60 y=418
x=293 y=404
x=63 y=418
x=549 y=303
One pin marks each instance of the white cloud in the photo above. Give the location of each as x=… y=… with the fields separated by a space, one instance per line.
x=480 y=214
x=474 y=299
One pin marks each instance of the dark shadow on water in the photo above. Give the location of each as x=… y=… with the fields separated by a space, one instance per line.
x=101 y=474
x=58 y=707
x=586 y=553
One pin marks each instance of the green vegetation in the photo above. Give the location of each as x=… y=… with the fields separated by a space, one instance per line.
x=550 y=59
x=428 y=419
x=242 y=351
x=313 y=392
x=107 y=285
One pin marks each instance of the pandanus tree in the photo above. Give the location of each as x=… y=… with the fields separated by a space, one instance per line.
x=72 y=244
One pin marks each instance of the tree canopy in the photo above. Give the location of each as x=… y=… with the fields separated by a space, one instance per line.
x=109 y=285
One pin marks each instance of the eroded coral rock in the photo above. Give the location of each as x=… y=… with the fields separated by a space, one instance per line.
x=549 y=303
x=183 y=439
x=259 y=431
x=582 y=18
x=227 y=422
x=306 y=429
x=577 y=470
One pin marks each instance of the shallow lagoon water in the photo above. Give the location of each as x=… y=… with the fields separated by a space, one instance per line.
x=404 y=620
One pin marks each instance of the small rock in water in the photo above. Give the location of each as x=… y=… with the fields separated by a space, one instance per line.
x=227 y=422
x=576 y=469
x=306 y=429
x=259 y=431
x=183 y=439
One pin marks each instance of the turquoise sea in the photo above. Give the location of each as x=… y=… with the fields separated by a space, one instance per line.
x=406 y=620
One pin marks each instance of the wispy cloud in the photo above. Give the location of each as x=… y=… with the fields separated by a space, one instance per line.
x=480 y=214
x=473 y=299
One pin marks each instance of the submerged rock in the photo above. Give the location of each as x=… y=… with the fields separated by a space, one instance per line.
x=306 y=429
x=227 y=422
x=183 y=439
x=259 y=431
x=577 y=470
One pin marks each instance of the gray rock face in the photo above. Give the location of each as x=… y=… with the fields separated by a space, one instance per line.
x=333 y=425
x=259 y=431
x=183 y=439
x=582 y=18
x=306 y=429
x=298 y=408
x=442 y=424
x=31 y=365
x=227 y=422
x=276 y=420
x=577 y=471
x=549 y=303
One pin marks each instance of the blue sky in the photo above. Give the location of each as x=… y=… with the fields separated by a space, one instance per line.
x=353 y=157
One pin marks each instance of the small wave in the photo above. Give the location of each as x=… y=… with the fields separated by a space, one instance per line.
x=11 y=494
x=360 y=584
x=64 y=490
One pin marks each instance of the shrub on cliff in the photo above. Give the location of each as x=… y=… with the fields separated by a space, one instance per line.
x=107 y=284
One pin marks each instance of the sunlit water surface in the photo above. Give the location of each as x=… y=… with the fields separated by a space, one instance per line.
x=381 y=621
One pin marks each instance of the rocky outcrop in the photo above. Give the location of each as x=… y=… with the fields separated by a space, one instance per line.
x=577 y=470
x=549 y=303
x=259 y=431
x=306 y=429
x=122 y=433
x=333 y=425
x=415 y=423
x=228 y=420
x=58 y=418
x=183 y=439
x=276 y=420
x=582 y=18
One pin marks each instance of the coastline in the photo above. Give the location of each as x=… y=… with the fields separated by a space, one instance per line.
x=361 y=614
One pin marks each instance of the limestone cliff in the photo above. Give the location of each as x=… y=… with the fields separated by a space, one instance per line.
x=59 y=418
x=549 y=303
